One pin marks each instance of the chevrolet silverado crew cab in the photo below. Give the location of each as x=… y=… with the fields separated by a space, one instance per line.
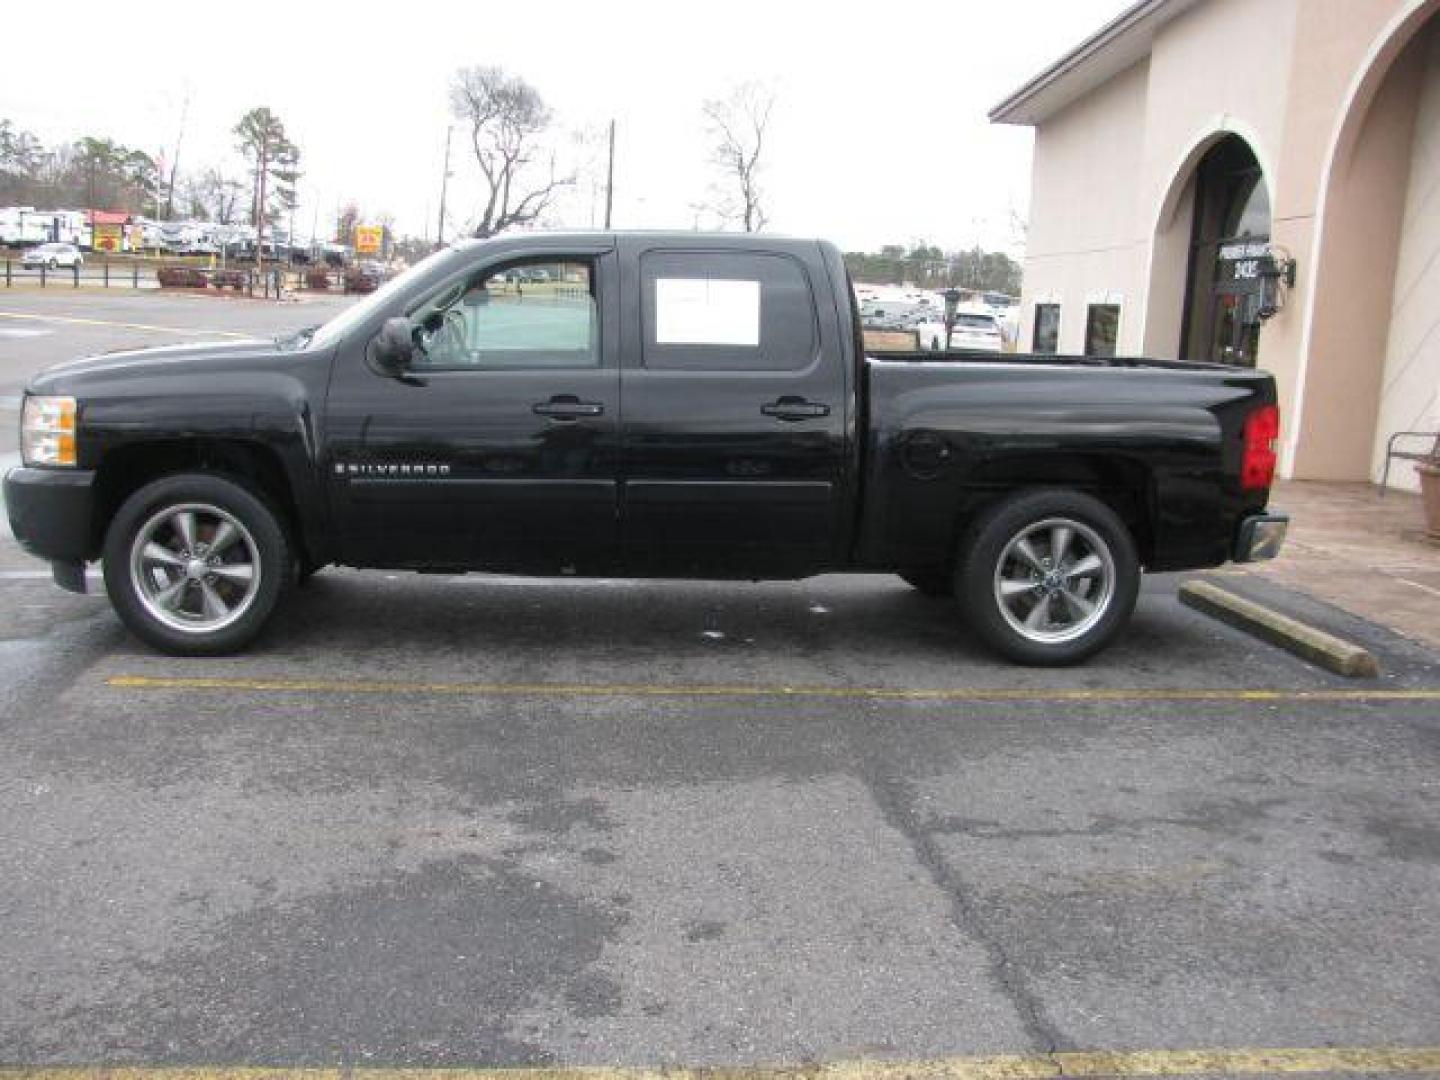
x=656 y=405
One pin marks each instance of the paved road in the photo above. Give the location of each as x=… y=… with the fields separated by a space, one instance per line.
x=38 y=329
x=488 y=821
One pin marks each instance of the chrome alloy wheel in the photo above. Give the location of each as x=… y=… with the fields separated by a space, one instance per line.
x=195 y=567
x=1055 y=580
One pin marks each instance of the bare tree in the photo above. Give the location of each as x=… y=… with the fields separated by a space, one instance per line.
x=508 y=120
x=737 y=126
x=218 y=192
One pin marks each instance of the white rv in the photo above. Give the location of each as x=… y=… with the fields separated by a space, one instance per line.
x=24 y=225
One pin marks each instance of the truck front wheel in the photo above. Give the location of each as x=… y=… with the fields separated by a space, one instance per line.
x=195 y=564
x=1049 y=577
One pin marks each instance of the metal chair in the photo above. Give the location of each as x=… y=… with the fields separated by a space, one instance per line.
x=1408 y=455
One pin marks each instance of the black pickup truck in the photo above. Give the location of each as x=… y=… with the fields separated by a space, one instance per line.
x=658 y=405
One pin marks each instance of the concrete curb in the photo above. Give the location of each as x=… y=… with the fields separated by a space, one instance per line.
x=1329 y=652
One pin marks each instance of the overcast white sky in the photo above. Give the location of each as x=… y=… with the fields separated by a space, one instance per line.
x=879 y=133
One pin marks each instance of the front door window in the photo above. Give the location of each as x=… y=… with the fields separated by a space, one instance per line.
x=520 y=315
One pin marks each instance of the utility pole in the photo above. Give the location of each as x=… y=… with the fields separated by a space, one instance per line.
x=263 y=159
x=610 y=177
x=175 y=165
x=444 y=186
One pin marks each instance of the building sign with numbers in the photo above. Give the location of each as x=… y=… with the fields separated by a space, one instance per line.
x=1240 y=265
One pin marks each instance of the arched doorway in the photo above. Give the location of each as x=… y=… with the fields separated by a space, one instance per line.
x=1370 y=362
x=1229 y=234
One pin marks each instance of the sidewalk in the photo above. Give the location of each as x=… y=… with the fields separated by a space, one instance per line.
x=1368 y=555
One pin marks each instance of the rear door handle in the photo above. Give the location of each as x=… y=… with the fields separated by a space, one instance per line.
x=567 y=407
x=795 y=408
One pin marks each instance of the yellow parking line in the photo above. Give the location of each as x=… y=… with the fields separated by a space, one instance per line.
x=1419 y=1061
x=662 y=690
x=122 y=325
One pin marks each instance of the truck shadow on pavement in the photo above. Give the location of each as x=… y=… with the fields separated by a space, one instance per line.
x=833 y=630
x=684 y=617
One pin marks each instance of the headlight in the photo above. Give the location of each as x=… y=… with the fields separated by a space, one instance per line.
x=47 y=431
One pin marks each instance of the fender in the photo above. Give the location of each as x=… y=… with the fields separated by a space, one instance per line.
x=205 y=403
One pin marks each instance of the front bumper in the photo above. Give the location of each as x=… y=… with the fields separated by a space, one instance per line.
x=1260 y=537
x=52 y=512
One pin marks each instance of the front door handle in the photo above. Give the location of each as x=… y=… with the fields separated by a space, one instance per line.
x=791 y=407
x=567 y=407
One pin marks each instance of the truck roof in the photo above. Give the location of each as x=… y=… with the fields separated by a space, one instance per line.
x=735 y=239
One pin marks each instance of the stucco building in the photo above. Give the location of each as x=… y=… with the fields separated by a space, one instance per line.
x=1192 y=150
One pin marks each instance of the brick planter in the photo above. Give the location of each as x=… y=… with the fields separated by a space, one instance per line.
x=1429 y=472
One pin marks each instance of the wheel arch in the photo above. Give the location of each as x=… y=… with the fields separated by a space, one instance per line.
x=126 y=469
x=1123 y=483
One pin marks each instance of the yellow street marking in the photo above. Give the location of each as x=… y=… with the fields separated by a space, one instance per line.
x=661 y=690
x=121 y=325
x=1086 y=1064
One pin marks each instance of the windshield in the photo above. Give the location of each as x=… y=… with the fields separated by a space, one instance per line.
x=358 y=313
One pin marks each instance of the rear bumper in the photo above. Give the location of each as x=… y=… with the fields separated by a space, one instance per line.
x=1260 y=537
x=52 y=512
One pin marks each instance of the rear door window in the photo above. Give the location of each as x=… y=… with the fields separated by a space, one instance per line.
x=724 y=311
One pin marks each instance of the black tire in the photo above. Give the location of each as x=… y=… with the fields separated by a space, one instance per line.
x=937 y=583
x=987 y=557
x=266 y=549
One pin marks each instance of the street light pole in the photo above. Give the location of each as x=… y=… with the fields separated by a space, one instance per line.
x=444 y=186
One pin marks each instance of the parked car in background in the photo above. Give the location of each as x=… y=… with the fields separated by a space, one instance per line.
x=527 y=275
x=973 y=330
x=887 y=315
x=52 y=257
x=364 y=277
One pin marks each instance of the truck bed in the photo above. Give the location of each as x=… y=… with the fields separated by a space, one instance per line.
x=966 y=356
x=1159 y=440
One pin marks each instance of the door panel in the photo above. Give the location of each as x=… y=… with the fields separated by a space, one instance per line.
x=504 y=456
x=734 y=426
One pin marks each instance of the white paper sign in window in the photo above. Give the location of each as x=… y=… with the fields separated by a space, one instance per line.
x=707 y=311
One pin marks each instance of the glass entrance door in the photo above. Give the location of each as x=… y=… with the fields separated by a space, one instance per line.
x=1229 y=242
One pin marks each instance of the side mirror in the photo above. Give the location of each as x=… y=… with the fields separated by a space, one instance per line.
x=394 y=346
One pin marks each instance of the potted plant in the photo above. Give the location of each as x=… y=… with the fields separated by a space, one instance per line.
x=1428 y=469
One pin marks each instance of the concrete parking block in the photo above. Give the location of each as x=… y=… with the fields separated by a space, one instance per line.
x=1315 y=645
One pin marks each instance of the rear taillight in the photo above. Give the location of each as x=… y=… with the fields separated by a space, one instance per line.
x=1262 y=438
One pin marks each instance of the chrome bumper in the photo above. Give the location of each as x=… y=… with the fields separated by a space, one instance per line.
x=1260 y=536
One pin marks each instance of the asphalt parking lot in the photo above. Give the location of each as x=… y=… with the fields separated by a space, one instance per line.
x=483 y=822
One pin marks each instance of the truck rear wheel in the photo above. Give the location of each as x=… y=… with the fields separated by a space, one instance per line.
x=195 y=564
x=1049 y=577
